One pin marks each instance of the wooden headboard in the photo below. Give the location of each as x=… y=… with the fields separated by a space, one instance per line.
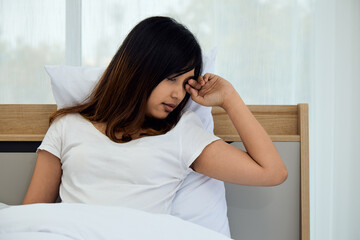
x=284 y=123
x=29 y=122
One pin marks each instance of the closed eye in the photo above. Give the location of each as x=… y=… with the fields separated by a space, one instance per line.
x=174 y=79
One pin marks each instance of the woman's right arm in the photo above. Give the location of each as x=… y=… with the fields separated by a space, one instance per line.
x=261 y=164
x=45 y=182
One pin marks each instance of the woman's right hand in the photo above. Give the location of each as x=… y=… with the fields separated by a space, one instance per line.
x=210 y=90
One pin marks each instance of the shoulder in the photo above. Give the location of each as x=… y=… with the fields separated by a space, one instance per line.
x=63 y=119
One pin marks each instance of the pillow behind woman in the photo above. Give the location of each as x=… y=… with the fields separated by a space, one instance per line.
x=200 y=199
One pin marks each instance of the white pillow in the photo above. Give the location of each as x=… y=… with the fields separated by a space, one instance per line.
x=71 y=85
x=93 y=222
x=200 y=199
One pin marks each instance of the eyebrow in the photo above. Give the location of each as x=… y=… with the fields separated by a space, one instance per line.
x=187 y=79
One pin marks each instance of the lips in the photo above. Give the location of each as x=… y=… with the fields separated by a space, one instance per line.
x=169 y=107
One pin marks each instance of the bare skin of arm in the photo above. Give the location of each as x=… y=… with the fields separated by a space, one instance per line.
x=261 y=165
x=45 y=182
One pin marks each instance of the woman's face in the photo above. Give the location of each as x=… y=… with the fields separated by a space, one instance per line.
x=167 y=95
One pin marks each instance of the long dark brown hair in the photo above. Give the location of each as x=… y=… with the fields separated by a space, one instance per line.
x=155 y=48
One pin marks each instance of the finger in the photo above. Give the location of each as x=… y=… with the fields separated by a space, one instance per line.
x=201 y=80
x=206 y=77
x=193 y=83
x=193 y=92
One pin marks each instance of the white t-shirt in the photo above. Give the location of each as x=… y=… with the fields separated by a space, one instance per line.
x=144 y=173
x=201 y=199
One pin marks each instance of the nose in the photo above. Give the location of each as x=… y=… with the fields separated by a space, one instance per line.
x=178 y=92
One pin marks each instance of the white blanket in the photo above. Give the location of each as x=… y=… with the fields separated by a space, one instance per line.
x=65 y=221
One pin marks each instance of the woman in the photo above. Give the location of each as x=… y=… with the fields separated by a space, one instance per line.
x=132 y=145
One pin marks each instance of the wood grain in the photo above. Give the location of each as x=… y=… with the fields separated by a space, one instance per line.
x=304 y=171
x=24 y=119
x=29 y=122
x=279 y=121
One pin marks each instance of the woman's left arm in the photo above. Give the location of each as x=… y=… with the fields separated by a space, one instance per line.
x=261 y=165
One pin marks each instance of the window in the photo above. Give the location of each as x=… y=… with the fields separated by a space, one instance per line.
x=262 y=45
x=32 y=34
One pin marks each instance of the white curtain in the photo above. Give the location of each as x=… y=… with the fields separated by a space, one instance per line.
x=32 y=34
x=334 y=121
x=263 y=46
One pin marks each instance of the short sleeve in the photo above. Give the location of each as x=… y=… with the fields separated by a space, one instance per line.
x=194 y=138
x=52 y=141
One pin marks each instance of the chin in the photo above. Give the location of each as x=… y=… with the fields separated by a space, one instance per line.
x=161 y=115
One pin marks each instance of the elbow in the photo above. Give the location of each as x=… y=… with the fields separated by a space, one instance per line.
x=282 y=176
x=278 y=177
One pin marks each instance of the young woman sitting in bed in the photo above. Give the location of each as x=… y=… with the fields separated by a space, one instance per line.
x=131 y=144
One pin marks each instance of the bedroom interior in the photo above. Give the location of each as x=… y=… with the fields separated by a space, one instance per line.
x=282 y=56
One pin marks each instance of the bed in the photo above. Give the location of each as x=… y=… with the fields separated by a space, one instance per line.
x=281 y=212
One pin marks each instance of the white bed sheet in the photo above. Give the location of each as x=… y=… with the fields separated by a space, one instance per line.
x=64 y=221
